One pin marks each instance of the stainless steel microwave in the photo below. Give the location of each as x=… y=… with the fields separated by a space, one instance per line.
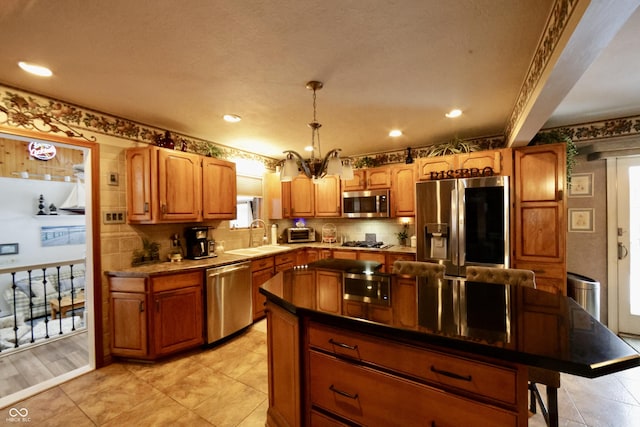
x=365 y=204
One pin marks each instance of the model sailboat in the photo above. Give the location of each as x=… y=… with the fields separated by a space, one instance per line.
x=75 y=202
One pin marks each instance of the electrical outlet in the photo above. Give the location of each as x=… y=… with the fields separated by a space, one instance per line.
x=114 y=217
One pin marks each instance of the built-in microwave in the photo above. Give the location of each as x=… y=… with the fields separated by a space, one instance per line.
x=365 y=204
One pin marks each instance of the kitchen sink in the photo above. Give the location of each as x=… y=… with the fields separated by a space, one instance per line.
x=259 y=250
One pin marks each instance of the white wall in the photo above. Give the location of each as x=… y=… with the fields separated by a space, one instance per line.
x=20 y=224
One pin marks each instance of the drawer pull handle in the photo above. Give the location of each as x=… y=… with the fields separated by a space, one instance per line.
x=450 y=374
x=343 y=393
x=343 y=345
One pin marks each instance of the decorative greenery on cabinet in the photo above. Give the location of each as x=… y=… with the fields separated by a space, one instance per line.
x=555 y=136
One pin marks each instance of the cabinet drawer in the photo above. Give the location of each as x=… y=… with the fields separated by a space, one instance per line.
x=492 y=381
x=285 y=258
x=371 y=397
x=127 y=284
x=176 y=281
x=261 y=263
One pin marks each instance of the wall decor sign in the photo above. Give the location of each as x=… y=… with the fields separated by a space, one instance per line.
x=581 y=220
x=63 y=235
x=461 y=173
x=8 y=248
x=581 y=185
x=42 y=150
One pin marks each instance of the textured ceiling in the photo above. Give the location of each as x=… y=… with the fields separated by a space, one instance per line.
x=385 y=65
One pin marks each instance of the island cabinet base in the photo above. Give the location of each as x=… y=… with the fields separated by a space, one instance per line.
x=322 y=375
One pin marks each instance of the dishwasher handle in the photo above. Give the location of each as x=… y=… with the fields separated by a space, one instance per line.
x=225 y=271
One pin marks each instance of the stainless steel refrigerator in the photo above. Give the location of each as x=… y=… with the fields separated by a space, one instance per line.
x=462 y=222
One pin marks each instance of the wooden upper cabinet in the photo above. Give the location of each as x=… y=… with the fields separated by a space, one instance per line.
x=499 y=161
x=218 y=189
x=302 y=197
x=403 y=190
x=369 y=179
x=328 y=198
x=165 y=186
x=427 y=165
x=140 y=198
x=179 y=185
x=539 y=211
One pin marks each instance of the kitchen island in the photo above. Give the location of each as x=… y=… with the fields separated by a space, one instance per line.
x=444 y=352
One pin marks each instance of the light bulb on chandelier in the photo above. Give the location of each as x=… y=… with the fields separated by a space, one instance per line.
x=315 y=168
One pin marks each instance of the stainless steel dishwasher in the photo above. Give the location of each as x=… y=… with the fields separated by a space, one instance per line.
x=228 y=300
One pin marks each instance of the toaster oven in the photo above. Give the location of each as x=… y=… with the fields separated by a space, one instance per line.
x=300 y=235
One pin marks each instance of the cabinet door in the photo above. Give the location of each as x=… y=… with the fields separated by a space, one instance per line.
x=341 y=254
x=427 y=166
x=274 y=199
x=540 y=222
x=498 y=160
x=218 y=189
x=373 y=256
x=302 y=197
x=128 y=324
x=403 y=190
x=179 y=185
x=329 y=291
x=177 y=320
x=405 y=296
x=139 y=195
x=378 y=178
x=328 y=197
x=359 y=181
x=283 y=341
x=258 y=278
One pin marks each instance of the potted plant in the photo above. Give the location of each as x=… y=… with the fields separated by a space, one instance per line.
x=556 y=136
x=402 y=236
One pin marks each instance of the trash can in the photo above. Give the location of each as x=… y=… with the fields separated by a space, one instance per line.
x=586 y=292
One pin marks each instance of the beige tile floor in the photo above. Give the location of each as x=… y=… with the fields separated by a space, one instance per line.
x=227 y=386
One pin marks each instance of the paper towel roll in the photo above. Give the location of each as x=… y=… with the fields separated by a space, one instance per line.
x=274 y=234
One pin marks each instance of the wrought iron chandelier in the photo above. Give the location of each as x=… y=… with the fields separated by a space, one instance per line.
x=315 y=168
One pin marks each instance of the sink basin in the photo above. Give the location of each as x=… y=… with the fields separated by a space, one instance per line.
x=260 y=250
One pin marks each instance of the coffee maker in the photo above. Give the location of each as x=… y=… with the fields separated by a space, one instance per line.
x=198 y=244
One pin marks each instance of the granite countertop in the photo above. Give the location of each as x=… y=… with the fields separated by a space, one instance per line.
x=517 y=324
x=227 y=258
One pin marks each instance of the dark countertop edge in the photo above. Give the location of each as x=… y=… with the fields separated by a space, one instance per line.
x=226 y=259
x=407 y=336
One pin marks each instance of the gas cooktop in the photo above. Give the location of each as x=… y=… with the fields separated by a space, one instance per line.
x=363 y=244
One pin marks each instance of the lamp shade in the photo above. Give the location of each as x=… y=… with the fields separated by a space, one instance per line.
x=289 y=169
x=334 y=165
x=347 y=170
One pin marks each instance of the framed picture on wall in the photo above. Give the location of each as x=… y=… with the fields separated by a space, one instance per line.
x=581 y=185
x=581 y=220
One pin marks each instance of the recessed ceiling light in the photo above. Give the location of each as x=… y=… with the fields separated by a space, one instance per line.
x=231 y=118
x=35 y=69
x=395 y=133
x=454 y=113
x=308 y=148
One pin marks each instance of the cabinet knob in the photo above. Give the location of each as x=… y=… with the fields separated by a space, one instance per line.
x=146 y=206
x=141 y=307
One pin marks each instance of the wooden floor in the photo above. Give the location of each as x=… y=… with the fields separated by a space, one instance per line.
x=21 y=369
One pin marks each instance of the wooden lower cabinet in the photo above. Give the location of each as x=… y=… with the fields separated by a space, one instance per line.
x=261 y=271
x=325 y=375
x=285 y=407
x=156 y=316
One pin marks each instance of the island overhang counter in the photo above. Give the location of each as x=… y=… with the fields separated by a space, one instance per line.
x=433 y=351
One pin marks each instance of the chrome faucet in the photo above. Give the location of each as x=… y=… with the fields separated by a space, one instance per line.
x=264 y=236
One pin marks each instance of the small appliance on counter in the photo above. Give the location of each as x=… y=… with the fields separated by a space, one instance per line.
x=198 y=244
x=300 y=234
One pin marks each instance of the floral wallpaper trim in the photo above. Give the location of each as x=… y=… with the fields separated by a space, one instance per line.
x=558 y=19
x=625 y=126
x=32 y=112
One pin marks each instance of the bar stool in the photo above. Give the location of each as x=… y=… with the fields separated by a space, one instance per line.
x=549 y=378
x=418 y=268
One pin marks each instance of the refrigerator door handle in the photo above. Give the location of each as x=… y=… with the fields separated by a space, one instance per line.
x=461 y=246
x=453 y=236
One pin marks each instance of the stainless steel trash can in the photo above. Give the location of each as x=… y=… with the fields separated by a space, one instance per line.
x=586 y=292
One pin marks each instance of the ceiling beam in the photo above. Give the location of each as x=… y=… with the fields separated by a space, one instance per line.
x=589 y=27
